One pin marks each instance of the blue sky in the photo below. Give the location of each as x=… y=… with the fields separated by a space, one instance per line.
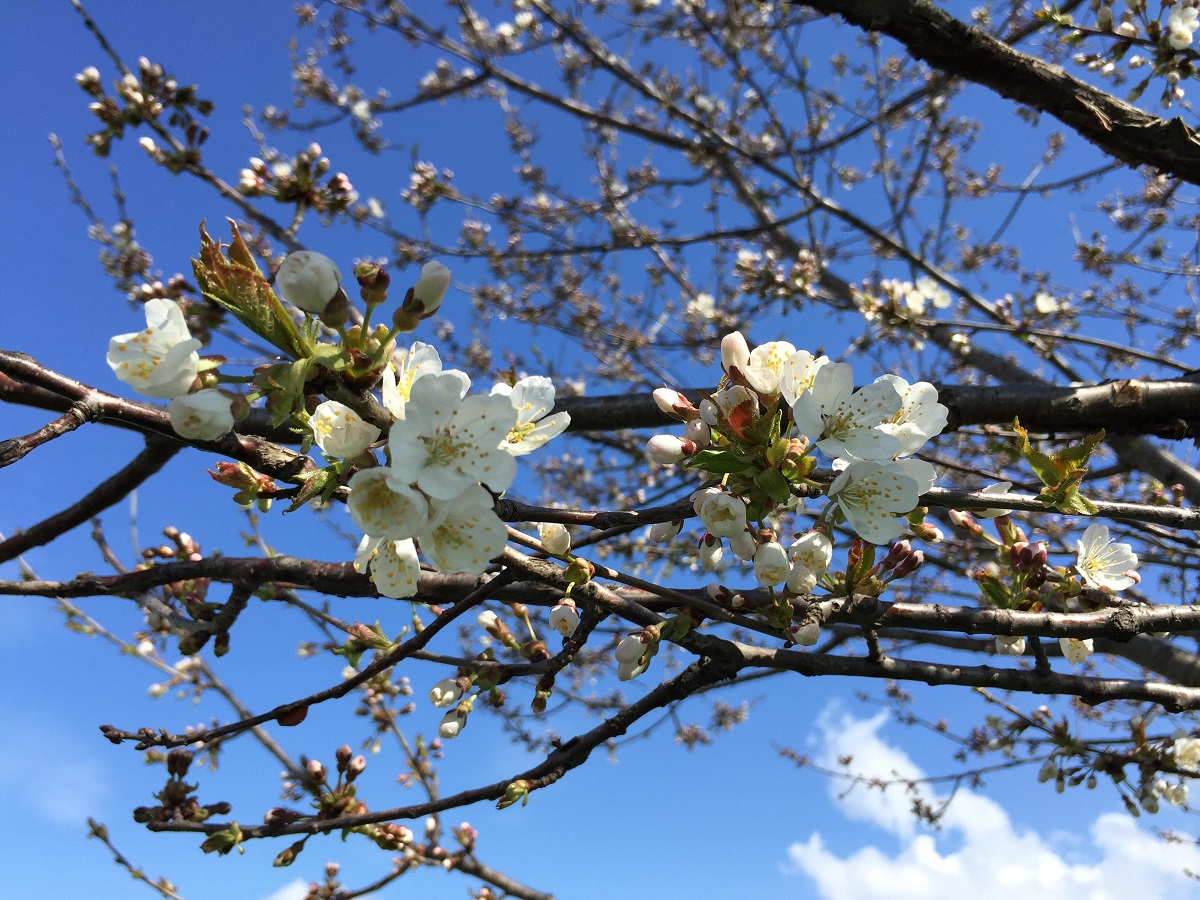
x=729 y=820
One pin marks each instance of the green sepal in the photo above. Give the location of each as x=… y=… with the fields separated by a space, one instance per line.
x=234 y=281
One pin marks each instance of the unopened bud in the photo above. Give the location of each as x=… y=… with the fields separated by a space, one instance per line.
x=674 y=404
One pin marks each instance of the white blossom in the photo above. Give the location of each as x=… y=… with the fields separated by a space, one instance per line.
x=724 y=402
x=735 y=352
x=701 y=307
x=1103 y=563
x=766 y=366
x=445 y=445
x=1074 y=649
x=771 y=565
x=723 y=514
x=933 y=292
x=744 y=545
x=532 y=398
x=1186 y=751
x=159 y=361
x=810 y=555
x=666 y=449
x=339 y=431
x=1010 y=644
x=394 y=566
x=203 y=416
x=662 y=532
x=406 y=367
x=1045 y=303
x=555 y=538
x=709 y=553
x=382 y=510
x=452 y=724
x=308 y=280
x=464 y=533
x=844 y=422
x=1000 y=488
x=445 y=693
x=807 y=634
x=920 y=416
x=564 y=618
x=798 y=374
x=431 y=286
x=871 y=495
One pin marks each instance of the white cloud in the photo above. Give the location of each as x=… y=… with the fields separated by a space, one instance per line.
x=993 y=858
x=293 y=890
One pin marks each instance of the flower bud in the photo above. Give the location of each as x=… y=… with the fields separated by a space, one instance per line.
x=674 y=404
x=709 y=552
x=735 y=352
x=555 y=538
x=743 y=545
x=661 y=532
x=445 y=693
x=806 y=634
x=431 y=288
x=308 y=280
x=316 y=771
x=666 y=449
x=698 y=433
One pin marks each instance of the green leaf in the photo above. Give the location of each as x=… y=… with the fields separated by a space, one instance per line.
x=774 y=484
x=318 y=484
x=719 y=462
x=1078 y=455
x=235 y=282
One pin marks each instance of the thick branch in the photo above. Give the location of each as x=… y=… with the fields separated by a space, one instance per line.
x=1116 y=127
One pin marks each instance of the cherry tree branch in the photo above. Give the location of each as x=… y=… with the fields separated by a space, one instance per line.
x=1116 y=127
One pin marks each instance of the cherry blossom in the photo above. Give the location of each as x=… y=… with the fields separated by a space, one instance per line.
x=532 y=398
x=771 y=565
x=844 y=421
x=766 y=366
x=406 y=367
x=431 y=287
x=722 y=513
x=871 y=494
x=1102 y=563
x=564 y=618
x=798 y=374
x=810 y=556
x=445 y=693
x=1187 y=753
x=1000 y=488
x=446 y=443
x=920 y=416
x=159 y=361
x=1010 y=644
x=203 y=416
x=394 y=566
x=382 y=509
x=464 y=533
x=1074 y=649
x=555 y=538
x=452 y=723
x=339 y=431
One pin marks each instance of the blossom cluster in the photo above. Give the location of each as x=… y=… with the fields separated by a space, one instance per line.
x=869 y=435
x=445 y=448
x=448 y=452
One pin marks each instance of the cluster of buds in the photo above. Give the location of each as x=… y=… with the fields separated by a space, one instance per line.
x=298 y=181
x=143 y=97
x=177 y=801
x=902 y=560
